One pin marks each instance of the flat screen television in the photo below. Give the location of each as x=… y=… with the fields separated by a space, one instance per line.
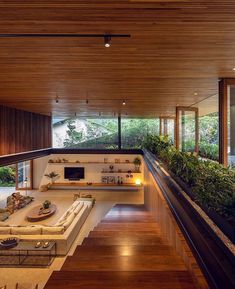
x=74 y=173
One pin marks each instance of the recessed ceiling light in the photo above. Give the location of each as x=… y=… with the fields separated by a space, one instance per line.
x=107 y=40
x=195 y=93
x=123 y=102
x=233 y=69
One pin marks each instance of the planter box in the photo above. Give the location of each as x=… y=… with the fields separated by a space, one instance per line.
x=227 y=227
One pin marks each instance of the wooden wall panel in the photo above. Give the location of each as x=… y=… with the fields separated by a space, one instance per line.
x=158 y=207
x=22 y=131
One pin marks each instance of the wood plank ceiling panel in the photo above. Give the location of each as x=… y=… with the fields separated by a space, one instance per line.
x=176 y=48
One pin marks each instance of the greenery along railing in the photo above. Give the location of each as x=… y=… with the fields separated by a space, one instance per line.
x=208 y=183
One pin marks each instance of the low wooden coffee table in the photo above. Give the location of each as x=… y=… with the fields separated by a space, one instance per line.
x=34 y=215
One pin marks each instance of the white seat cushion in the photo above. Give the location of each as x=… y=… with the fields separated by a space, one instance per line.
x=78 y=208
x=68 y=221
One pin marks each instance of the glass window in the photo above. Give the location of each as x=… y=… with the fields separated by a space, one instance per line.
x=209 y=128
x=97 y=133
x=134 y=130
x=24 y=175
x=231 y=126
x=171 y=129
x=187 y=130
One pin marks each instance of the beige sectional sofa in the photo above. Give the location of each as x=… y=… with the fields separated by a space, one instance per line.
x=63 y=232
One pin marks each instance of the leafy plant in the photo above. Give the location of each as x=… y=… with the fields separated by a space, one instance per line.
x=46 y=204
x=7 y=176
x=212 y=185
x=137 y=161
x=52 y=175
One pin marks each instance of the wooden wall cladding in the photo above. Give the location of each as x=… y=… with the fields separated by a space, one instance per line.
x=22 y=131
x=157 y=205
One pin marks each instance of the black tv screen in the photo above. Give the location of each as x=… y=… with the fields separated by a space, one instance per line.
x=73 y=173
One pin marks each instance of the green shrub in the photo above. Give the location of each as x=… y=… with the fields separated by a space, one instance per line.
x=7 y=176
x=212 y=184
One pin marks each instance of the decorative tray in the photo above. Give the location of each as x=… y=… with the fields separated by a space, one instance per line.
x=8 y=243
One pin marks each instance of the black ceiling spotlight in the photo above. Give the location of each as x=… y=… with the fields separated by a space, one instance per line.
x=123 y=102
x=57 y=99
x=107 y=41
x=87 y=101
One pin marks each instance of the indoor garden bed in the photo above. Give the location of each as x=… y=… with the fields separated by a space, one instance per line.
x=209 y=184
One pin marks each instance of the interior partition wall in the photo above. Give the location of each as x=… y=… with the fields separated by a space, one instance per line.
x=227 y=121
x=187 y=129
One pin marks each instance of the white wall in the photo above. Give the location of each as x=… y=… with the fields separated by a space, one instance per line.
x=39 y=167
x=92 y=171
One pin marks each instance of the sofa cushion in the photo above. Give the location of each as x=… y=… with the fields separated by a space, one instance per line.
x=78 y=208
x=75 y=204
x=5 y=230
x=3 y=224
x=46 y=230
x=4 y=216
x=27 y=230
x=68 y=221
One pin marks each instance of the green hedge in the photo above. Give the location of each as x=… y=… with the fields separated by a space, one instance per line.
x=212 y=184
x=7 y=176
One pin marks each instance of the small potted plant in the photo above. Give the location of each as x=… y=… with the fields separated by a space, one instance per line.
x=46 y=204
x=137 y=163
x=52 y=176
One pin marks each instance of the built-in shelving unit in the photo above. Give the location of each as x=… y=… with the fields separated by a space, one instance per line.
x=91 y=163
x=101 y=172
x=116 y=172
x=93 y=186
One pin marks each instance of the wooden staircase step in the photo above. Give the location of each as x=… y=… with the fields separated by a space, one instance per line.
x=116 y=250
x=124 y=263
x=126 y=226
x=123 y=234
x=129 y=207
x=120 y=280
x=143 y=240
x=129 y=219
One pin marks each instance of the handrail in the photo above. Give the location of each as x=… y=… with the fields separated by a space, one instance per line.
x=20 y=157
x=216 y=265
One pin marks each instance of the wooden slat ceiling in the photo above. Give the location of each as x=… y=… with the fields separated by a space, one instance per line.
x=176 y=48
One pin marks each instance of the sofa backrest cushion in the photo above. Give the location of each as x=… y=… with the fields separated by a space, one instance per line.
x=78 y=208
x=47 y=230
x=69 y=220
x=5 y=230
x=28 y=230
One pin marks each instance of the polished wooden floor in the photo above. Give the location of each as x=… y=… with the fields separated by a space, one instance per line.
x=125 y=250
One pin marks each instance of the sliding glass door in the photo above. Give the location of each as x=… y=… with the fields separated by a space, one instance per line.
x=24 y=175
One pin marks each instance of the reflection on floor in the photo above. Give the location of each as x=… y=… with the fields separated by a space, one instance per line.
x=105 y=200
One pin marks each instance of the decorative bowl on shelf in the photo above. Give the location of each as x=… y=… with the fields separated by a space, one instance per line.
x=9 y=243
